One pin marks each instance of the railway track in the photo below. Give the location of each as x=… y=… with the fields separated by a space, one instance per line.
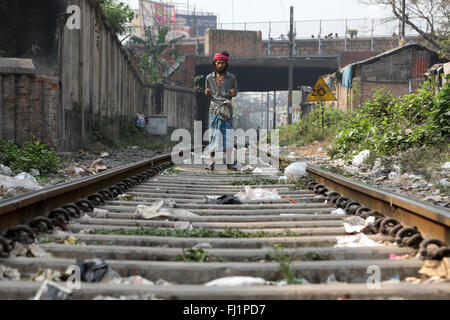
x=287 y=245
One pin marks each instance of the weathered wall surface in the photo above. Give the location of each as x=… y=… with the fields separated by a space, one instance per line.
x=29 y=107
x=332 y=46
x=97 y=81
x=237 y=43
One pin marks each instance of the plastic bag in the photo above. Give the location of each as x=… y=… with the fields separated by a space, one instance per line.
x=257 y=194
x=95 y=270
x=237 y=281
x=360 y=158
x=296 y=171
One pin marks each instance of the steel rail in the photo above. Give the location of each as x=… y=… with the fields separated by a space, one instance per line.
x=431 y=221
x=23 y=208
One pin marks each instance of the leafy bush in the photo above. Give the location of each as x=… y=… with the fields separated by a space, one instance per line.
x=319 y=125
x=118 y=14
x=387 y=124
x=33 y=155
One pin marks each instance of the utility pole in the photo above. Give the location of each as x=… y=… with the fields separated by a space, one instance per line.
x=267 y=120
x=274 y=109
x=291 y=65
x=403 y=18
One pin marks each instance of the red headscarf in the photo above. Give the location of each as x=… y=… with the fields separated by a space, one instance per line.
x=220 y=56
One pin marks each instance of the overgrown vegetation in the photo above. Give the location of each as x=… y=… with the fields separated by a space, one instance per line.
x=194 y=255
x=285 y=261
x=319 y=125
x=195 y=233
x=388 y=124
x=254 y=182
x=129 y=135
x=150 y=53
x=118 y=14
x=33 y=155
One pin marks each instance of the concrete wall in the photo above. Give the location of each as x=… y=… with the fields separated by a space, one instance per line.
x=237 y=43
x=97 y=80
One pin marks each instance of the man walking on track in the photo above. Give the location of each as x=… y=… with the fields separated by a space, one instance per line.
x=221 y=87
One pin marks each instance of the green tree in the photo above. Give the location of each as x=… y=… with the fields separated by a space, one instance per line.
x=151 y=53
x=118 y=14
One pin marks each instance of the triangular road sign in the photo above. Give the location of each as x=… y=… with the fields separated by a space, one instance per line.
x=321 y=92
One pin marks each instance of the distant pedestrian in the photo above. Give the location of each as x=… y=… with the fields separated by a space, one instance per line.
x=221 y=87
x=140 y=122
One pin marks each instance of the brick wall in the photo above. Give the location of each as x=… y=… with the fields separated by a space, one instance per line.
x=29 y=107
x=237 y=43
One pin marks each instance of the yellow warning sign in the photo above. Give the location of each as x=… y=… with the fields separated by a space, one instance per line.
x=321 y=92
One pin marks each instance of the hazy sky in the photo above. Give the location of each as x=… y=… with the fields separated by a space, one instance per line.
x=278 y=10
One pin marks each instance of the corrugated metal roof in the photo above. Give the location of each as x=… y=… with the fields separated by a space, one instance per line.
x=391 y=52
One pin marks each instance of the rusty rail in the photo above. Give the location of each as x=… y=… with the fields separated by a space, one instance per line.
x=433 y=222
x=21 y=209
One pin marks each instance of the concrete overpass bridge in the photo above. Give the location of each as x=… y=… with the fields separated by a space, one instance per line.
x=266 y=73
x=270 y=73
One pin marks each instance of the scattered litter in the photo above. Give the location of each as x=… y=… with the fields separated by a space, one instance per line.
x=104 y=155
x=183 y=225
x=359 y=159
x=149 y=212
x=394 y=279
x=62 y=235
x=26 y=176
x=125 y=197
x=32 y=250
x=292 y=156
x=43 y=274
x=338 y=211
x=225 y=199
x=257 y=171
x=257 y=194
x=164 y=283
x=99 y=213
x=247 y=168
x=435 y=279
x=359 y=240
x=413 y=280
x=12 y=182
x=87 y=231
x=157 y=212
x=237 y=281
x=393 y=256
x=354 y=224
x=134 y=280
x=85 y=217
x=6 y=171
x=290 y=199
x=52 y=291
x=296 y=171
x=202 y=245
x=71 y=240
x=283 y=179
x=285 y=283
x=332 y=279
x=8 y=273
x=446 y=165
x=95 y=270
x=433 y=268
x=79 y=171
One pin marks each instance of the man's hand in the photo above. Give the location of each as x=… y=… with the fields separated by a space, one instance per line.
x=232 y=92
x=208 y=92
